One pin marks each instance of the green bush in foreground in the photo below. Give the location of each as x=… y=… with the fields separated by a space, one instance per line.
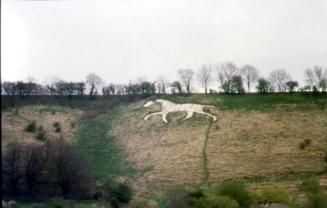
x=116 y=193
x=311 y=186
x=236 y=191
x=273 y=195
x=318 y=200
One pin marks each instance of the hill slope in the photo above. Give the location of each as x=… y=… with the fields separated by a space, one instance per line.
x=245 y=143
x=256 y=138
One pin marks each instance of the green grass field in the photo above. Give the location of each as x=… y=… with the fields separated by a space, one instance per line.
x=106 y=157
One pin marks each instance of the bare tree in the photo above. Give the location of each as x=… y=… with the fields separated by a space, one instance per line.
x=204 y=76
x=34 y=162
x=186 y=77
x=315 y=77
x=278 y=79
x=12 y=168
x=68 y=169
x=250 y=74
x=225 y=73
x=93 y=81
x=9 y=88
x=162 y=84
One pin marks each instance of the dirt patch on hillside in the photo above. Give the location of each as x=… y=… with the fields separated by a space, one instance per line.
x=15 y=120
x=242 y=144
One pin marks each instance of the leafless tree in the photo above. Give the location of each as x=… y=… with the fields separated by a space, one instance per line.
x=34 y=162
x=162 y=84
x=315 y=77
x=186 y=77
x=204 y=76
x=250 y=74
x=121 y=89
x=93 y=81
x=68 y=169
x=225 y=73
x=278 y=79
x=12 y=168
x=50 y=83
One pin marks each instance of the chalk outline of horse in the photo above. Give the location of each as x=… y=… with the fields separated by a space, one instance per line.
x=168 y=107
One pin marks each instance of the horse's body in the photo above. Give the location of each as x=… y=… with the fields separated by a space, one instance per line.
x=168 y=107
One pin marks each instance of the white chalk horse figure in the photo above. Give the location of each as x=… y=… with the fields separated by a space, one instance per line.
x=168 y=107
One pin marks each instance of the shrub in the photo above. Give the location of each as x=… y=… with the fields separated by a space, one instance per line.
x=305 y=143
x=41 y=135
x=216 y=202
x=273 y=195
x=318 y=200
x=57 y=127
x=196 y=193
x=116 y=193
x=139 y=203
x=31 y=127
x=236 y=191
x=33 y=170
x=311 y=186
x=177 y=198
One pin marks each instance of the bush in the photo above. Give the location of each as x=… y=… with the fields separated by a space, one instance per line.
x=41 y=135
x=31 y=127
x=177 y=198
x=139 y=203
x=216 y=202
x=305 y=143
x=318 y=200
x=116 y=193
x=273 y=195
x=311 y=186
x=236 y=191
x=40 y=171
x=57 y=127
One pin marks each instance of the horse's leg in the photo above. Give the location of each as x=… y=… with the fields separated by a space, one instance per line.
x=164 y=117
x=188 y=115
x=152 y=114
x=208 y=114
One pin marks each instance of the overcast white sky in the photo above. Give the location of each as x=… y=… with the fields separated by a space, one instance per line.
x=121 y=40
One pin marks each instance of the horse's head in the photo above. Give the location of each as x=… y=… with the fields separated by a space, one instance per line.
x=147 y=104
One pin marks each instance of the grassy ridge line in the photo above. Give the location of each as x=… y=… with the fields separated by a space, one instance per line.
x=261 y=102
x=204 y=154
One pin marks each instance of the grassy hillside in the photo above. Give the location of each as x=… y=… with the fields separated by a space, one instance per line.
x=257 y=139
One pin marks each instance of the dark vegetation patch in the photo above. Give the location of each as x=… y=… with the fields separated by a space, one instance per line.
x=57 y=126
x=304 y=144
x=31 y=127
